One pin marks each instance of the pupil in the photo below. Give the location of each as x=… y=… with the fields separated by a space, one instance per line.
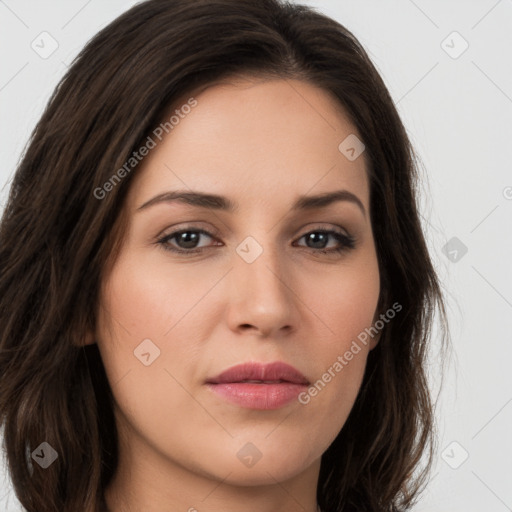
x=189 y=238
x=318 y=238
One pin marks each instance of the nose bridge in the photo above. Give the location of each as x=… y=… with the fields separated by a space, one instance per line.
x=262 y=297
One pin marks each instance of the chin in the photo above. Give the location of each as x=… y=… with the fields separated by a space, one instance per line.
x=249 y=467
x=262 y=474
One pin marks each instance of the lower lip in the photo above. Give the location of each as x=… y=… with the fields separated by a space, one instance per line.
x=258 y=396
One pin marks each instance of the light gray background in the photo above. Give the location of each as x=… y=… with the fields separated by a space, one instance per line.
x=458 y=112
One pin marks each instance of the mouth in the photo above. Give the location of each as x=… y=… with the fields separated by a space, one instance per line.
x=259 y=386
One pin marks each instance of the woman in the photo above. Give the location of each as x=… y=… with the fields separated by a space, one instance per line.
x=178 y=331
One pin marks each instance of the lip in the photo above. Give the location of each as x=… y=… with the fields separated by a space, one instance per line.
x=279 y=383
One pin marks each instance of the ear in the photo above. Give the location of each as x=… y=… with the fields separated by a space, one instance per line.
x=382 y=306
x=87 y=339
x=374 y=340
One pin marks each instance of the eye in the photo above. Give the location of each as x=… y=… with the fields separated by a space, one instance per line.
x=187 y=241
x=319 y=239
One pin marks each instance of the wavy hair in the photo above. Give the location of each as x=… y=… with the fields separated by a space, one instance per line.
x=57 y=239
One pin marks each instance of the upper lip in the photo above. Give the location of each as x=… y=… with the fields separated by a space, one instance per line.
x=277 y=371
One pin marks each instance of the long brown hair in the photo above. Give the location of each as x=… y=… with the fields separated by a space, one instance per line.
x=57 y=236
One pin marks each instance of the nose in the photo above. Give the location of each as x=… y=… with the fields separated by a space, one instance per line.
x=262 y=298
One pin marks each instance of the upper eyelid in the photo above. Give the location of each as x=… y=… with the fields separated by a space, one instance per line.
x=216 y=233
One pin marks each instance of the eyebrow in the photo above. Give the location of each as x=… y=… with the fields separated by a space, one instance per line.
x=216 y=202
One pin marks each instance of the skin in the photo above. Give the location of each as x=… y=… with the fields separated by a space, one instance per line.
x=261 y=143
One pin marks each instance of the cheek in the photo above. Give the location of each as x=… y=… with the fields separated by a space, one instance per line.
x=149 y=387
x=346 y=303
x=148 y=299
x=142 y=323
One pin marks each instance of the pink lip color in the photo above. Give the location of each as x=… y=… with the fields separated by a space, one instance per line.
x=263 y=396
x=258 y=396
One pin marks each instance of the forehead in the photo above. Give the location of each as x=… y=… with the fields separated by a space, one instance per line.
x=261 y=138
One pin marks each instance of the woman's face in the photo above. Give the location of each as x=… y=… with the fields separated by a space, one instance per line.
x=248 y=285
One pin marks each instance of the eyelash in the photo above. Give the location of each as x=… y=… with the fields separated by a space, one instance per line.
x=347 y=241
